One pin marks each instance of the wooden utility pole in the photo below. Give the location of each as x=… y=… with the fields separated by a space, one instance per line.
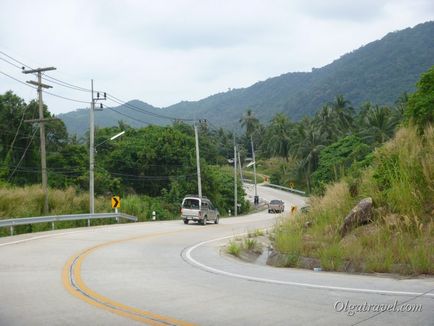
x=41 y=122
x=92 y=147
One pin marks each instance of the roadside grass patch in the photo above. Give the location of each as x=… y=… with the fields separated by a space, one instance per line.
x=400 y=239
x=233 y=248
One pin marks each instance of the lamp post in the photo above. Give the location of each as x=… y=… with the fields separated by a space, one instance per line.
x=256 y=198
x=91 y=174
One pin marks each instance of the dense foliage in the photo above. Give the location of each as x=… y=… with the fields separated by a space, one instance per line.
x=155 y=161
x=400 y=237
x=421 y=103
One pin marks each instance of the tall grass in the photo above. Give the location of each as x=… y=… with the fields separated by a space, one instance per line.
x=16 y=202
x=401 y=237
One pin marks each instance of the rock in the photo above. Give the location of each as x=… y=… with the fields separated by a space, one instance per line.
x=308 y=262
x=359 y=215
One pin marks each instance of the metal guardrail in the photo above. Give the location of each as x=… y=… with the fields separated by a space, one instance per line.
x=59 y=218
x=285 y=188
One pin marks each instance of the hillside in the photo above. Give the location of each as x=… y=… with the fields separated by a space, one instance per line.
x=77 y=122
x=378 y=72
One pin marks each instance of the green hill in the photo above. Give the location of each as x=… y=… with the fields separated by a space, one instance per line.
x=77 y=122
x=378 y=72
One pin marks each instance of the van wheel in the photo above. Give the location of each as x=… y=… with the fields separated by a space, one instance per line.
x=216 y=220
x=185 y=221
x=204 y=221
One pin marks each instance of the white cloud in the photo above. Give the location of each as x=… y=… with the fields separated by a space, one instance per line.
x=164 y=52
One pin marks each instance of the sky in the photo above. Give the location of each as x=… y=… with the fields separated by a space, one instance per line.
x=164 y=52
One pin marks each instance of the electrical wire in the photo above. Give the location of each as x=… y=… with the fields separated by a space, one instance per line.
x=45 y=92
x=126 y=115
x=79 y=88
x=24 y=154
x=141 y=110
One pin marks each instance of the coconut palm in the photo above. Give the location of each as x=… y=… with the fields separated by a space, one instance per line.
x=309 y=150
x=279 y=136
x=344 y=113
x=326 y=121
x=378 y=125
x=250 y=122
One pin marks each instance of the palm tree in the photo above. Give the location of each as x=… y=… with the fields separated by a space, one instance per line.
x=344 y=113
x=326 y=121
x=309 y=150
x=378 y=125
x=249 y=121
x=279 y=135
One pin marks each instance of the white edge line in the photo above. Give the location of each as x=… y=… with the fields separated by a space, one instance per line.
x=54 y=235
x=265 y=280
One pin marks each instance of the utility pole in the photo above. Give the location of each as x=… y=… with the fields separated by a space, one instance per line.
x=235 y=179
x=241 y=168
x=92 y=149
x=256 y=198
x=41 y=122
x=199 y=181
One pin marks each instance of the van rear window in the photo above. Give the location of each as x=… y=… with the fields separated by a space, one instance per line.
x=191 y=203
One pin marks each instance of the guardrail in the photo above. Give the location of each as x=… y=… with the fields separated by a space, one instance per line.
x=58 y=218
x=285 y=188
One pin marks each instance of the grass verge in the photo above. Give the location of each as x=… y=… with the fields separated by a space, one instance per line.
x=401 y=237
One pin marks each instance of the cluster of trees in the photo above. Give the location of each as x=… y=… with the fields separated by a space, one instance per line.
x=157 y=161
x=338 y=139
x=320 y=149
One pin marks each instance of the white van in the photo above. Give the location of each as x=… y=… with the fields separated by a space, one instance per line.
x=199 y=210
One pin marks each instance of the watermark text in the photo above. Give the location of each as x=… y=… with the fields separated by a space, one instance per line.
x=351 y=309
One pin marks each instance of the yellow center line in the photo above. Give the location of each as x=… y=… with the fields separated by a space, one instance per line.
x=74 y=284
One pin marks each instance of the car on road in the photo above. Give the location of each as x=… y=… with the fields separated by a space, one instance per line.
x=276 y=206
x=198 y=209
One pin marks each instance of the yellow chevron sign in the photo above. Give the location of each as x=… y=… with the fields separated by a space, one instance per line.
x=116 y=202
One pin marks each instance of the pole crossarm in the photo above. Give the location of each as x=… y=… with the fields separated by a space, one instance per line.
x=39 y=84
x=41 y=122
x=37 y=70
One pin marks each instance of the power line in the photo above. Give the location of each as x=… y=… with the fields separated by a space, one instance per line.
x=11 y=63
x=126 y=115
x=141 y=110
x=49 y=93
x=79 y=88
x=22 y=156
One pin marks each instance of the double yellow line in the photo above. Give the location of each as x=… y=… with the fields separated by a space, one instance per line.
x=74 y=284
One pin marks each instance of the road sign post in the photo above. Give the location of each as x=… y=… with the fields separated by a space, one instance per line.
x=116 y=202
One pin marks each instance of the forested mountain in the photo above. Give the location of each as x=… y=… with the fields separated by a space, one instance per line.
x=378 y=72
x=77 y=122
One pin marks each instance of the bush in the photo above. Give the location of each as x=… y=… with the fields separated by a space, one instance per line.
x=400 y=239
x=234 y=248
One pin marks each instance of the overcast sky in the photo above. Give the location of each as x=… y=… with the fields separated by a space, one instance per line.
x=164 y=52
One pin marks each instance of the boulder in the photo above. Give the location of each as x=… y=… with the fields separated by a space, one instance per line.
x=361 y=214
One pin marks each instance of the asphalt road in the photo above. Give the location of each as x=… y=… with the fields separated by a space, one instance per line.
x=168 y=273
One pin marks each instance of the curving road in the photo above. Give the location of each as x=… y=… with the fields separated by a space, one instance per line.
x=168 y=273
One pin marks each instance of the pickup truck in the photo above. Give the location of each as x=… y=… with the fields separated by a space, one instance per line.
x=197 y=209
x=276 y=206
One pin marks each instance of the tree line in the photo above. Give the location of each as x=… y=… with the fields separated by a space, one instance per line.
x=337 y=140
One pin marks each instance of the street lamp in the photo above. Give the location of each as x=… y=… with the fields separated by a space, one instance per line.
x=91 y=174
x=256 y=198
x=112 y=138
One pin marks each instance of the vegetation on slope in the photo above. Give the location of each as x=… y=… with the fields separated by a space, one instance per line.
x=399 y=177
